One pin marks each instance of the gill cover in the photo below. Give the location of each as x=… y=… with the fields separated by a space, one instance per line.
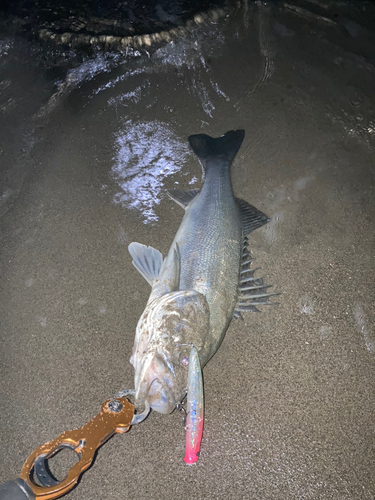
x=174 y=319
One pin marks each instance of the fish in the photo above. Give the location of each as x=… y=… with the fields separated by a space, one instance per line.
x=204 y=282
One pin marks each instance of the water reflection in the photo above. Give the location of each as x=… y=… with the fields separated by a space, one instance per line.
x=146 y=153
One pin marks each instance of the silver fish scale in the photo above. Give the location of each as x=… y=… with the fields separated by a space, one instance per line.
x=210 y=246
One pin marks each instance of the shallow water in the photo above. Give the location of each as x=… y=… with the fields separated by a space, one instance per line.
x=88 y=147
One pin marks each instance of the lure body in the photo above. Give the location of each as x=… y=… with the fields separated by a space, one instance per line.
x=194 y=408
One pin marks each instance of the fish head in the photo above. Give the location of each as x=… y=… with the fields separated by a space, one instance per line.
x=168 y=328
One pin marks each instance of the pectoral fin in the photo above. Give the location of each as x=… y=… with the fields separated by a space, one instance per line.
x=147 y=260
x=170 y=271
x=169 y=275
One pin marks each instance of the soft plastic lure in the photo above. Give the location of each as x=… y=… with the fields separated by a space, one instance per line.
x=194 y=408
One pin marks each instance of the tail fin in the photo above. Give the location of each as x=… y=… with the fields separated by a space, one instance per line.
x=225 y=146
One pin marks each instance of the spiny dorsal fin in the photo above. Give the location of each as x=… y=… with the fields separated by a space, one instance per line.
x=248 y=308
x=251 y=297
x=252 y=292
x=147 y=260
x=251 y=217
x=183 y=198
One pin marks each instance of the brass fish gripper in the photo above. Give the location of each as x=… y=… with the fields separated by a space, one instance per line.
x=115 y=416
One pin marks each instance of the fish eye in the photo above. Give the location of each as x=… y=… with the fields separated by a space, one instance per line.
x=185 y=360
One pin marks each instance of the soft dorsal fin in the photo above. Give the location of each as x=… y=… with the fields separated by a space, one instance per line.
x=183 y=198
x=251 y=217
x=147 y=260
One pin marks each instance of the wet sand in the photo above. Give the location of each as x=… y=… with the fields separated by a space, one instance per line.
x=290 y=393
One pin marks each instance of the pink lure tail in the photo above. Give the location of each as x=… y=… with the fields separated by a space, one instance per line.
x=195 y=409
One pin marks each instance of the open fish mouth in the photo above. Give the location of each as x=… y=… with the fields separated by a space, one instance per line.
x=156 y=385
x=160 y=398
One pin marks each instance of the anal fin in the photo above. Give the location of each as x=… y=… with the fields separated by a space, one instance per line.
x=183 y=198
x=147 y=260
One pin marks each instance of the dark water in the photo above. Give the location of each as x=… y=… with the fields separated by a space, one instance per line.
x=95 y=17
x=89 y=143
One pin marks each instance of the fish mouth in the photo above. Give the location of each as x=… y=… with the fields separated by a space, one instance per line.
x=156 y=385
x=160 y=398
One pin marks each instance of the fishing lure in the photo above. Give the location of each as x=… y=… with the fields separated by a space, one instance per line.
x=194 y=408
